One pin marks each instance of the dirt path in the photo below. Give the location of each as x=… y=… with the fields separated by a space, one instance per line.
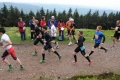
x=102 y=62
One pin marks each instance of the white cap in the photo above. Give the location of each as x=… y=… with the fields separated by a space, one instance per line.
x=72 y=19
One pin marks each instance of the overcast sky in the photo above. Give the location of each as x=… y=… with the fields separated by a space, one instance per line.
x=107 y=4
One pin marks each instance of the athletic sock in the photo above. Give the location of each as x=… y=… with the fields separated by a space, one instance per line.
x=75 y=58
x=43 y=56
x=103 y=48
x=10 y=65
x=87 y=57
x=91 y=53
x=56 y=53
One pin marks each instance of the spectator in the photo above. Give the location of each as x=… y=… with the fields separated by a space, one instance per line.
x=32 y=28
x=42 y=22
x=61 y=26
x=52 y=19
x=22 y=29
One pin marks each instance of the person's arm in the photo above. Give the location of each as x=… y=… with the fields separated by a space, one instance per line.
x=8 y=43
x=55 y=23
x=94 y=37
x=63 y=24
x=49 y=23
x=103 y=39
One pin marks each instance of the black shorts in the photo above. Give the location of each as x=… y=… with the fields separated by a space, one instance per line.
x=78 y=49
x=48 y=46
x=96 y=45
x=116 y=35
x=38 y=40
x=71 y=32
x=53 y=38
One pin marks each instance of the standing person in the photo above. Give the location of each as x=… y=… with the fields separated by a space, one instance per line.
x=42 y=23
x=61 y=25
x=9 y=49
x=117 y=32
x=71 y=30
x=38 y=37
x=52 y=19
x=22 y=29
x=80 y=48
x=98 y=37
x=53 y=33
x=32 y=28
x=47 y=45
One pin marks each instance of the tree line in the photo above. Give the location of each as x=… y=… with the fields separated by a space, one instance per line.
x=9 y=17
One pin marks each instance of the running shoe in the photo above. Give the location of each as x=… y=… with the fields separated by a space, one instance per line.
x=21 y=67
x=42 y=61
x=90 y=62
x=10 y=67
x=59 y=57
x=74 y=62
x=106 y=50
x=34 y=54
x=70 y=43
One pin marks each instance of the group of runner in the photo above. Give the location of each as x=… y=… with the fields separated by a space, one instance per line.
x=45 y=38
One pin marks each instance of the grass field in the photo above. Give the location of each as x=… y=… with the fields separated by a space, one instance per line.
x=88 y=34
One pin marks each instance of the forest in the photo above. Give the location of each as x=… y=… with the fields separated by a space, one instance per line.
x=9 y=17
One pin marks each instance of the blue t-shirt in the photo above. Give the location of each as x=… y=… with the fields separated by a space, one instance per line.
x=98 y=36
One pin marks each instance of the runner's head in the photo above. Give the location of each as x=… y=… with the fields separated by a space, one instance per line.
x=2 y=31
x=72 y=20
x=44 y=28
x=36 y=22
x=118 y=23
x=99 y=28
x=80 y=33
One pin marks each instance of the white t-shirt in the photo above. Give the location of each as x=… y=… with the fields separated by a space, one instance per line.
x=53 y=30
x=5 y=38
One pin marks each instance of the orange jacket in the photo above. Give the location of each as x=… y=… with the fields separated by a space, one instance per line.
x=68 y=24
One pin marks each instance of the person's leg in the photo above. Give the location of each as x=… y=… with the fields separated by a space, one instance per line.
x=95 y=46
x=59 y=56
x=75 y=57
x=31 y=35
x=35 y=47
x=69 y=37
x=43 y=56
x=24 y=35
x=21 y=35
x=12 y=52
x=5 y=54
x=100 y=47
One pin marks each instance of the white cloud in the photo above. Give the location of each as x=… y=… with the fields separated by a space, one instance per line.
x=107 y=4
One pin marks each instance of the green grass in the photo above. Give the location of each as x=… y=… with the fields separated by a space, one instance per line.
x=88 y=34
x=104 y=76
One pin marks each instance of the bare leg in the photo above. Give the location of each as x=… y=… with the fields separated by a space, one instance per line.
x=6 y=61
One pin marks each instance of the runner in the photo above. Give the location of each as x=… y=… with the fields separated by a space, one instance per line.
x=80 y=48
x=98 y=37
x=38 y=37
x=9 y=49
x=117 y=33
x=47 y=45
